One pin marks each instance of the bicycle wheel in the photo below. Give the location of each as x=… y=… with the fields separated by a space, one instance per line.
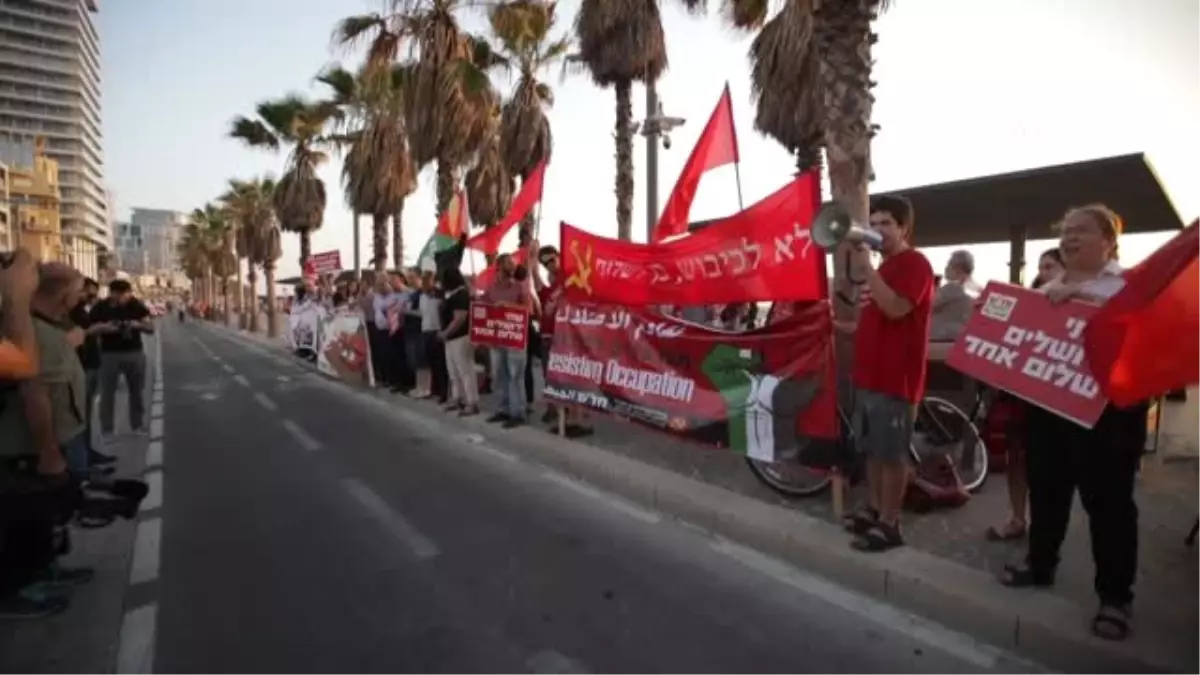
x=943 y=428
x=795 y=481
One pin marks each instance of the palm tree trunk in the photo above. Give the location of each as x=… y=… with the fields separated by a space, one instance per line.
x=398 y=237
x=272 y=329
x=379 y=241
x=225 y=300
x=252 y=280
x=624 y=136
x=305 y=247
x=445 y=184
x=241 y=297
x=843 y=39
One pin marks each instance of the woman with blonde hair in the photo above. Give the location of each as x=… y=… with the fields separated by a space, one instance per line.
x=1101 y=462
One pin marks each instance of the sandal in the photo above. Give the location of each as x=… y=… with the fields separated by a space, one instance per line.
x=879 y=537
x=1112 y=622
x=861 y=520
x=1012 y=530
x=1022 y=576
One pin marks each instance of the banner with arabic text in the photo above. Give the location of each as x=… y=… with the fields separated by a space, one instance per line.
x=760 y=254
x=760 y=393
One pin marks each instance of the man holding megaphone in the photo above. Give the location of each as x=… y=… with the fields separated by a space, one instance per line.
x=891 y=345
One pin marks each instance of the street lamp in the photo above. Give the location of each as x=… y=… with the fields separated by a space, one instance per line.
x=655 y=127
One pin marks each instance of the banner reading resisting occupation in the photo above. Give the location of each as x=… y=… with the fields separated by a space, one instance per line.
x=761 y=254
x=345 y=352
x=498 y=326
x=756 y=392
x=1020 y=342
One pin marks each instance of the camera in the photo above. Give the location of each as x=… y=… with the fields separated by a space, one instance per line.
x=666 y=140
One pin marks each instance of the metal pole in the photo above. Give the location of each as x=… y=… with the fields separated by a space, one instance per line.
x=652 y=132
x=357 y=258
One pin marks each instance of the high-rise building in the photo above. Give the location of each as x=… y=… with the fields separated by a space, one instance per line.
x=50 y=87
x=156 y=234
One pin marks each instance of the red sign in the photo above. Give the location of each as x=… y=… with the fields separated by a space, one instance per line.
x=499 y=326
x=324 y=263
x=762 y=253
x=1020 y=342
x=759 y=392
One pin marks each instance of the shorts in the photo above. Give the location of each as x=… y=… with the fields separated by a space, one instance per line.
x=882 y=425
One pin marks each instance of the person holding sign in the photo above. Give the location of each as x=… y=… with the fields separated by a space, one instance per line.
x=508 y=365
x=1101 y=461
x=891 y=346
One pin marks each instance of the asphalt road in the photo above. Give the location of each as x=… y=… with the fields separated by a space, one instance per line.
x=307 y=528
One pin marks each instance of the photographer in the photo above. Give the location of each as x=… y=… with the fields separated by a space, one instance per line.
x=120 y=321
x=89 y=356
x=42 y=431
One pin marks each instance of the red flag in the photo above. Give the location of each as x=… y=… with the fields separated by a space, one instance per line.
x=488 y=241
x=1144 y=341
x=717 y=147
x=488 y=276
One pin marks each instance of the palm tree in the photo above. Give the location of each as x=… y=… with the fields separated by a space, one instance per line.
x=301 y=124
x=449 y=98
x=250 y=203
x=192 y=251
x=523 y=29
x=378 y=170
x=488 y=184
x=213 y=232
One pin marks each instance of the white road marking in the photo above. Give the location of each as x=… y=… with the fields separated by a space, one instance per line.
x=241 y=379
x=419 y=544
x=158 y=396
x=156 y=409
x=922 y=630
x=228 y=368
x=301 y=436
x=156 y=428
x=135 y=653
x=265 y=402
x=548 y=661
x=154 y=454
x=146 y=546
x=480 y=443
x=619 y=504
x=154 y=485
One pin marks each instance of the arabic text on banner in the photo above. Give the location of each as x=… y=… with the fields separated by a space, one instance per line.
x=499 y=326
x=759 y=393
x=762 y=253
x=1020 y=342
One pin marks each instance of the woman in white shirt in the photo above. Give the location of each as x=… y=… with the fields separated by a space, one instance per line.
x=1101 y=462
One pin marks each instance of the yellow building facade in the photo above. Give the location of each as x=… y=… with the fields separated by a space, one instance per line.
x=8 y=236
x=35 y=207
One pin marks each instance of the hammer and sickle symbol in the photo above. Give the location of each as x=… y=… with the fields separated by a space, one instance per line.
x=581 y=279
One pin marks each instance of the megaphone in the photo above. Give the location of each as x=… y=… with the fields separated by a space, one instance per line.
x=833 y=225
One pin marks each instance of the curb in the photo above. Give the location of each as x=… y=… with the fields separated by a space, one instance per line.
x=1036 y=625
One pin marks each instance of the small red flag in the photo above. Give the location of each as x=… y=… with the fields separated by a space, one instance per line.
x=488 y=241
x=487 y=277
x=1145 y=341
x=716 y=147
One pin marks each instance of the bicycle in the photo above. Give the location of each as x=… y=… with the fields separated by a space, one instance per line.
x=941 y=430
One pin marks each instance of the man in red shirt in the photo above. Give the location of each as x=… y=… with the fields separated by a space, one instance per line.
x=891 y=345
x=550 y=295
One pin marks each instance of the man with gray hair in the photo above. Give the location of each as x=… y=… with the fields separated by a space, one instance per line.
x=955 y=300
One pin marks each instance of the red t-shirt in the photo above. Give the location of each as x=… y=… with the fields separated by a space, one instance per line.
x=549 y=297
x=890 y=354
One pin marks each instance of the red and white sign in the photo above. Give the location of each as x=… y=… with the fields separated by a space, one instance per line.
x=1020 y=342
x=499 y=326
x=324 y=263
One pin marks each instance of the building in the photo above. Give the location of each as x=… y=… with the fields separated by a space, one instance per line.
x=50 y=87
x=155 y=235
x=8 y=231
x=35 y=202
x=131 y=256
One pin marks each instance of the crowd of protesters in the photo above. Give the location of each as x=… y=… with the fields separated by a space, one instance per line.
x=61 y=346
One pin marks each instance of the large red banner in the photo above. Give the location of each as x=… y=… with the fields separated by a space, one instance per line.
x=1022 y=343
x=762 y=393
x=760 y=254
x=499 y=326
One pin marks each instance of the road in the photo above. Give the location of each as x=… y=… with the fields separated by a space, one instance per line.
x=304 y=527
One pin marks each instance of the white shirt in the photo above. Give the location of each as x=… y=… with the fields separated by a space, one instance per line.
x=382 y=303
x=430 y=308
x=1107 y=284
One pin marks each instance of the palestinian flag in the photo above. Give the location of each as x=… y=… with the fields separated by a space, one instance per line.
x=450 y=227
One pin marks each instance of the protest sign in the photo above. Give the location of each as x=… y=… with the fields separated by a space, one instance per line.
x=1022 y=343
x=499 y=326
x=757 y=392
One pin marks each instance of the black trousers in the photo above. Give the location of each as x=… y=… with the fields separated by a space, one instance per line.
x=533 y=349
x=1102 y=463
x=435 y=352
x=380 y=350
x=30 y=516
x=401 y=375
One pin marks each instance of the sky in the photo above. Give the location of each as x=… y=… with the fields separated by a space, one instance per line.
x=966 y=88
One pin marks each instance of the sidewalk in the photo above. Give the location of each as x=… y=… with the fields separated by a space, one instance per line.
x=947 y=571
x=84 y=638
